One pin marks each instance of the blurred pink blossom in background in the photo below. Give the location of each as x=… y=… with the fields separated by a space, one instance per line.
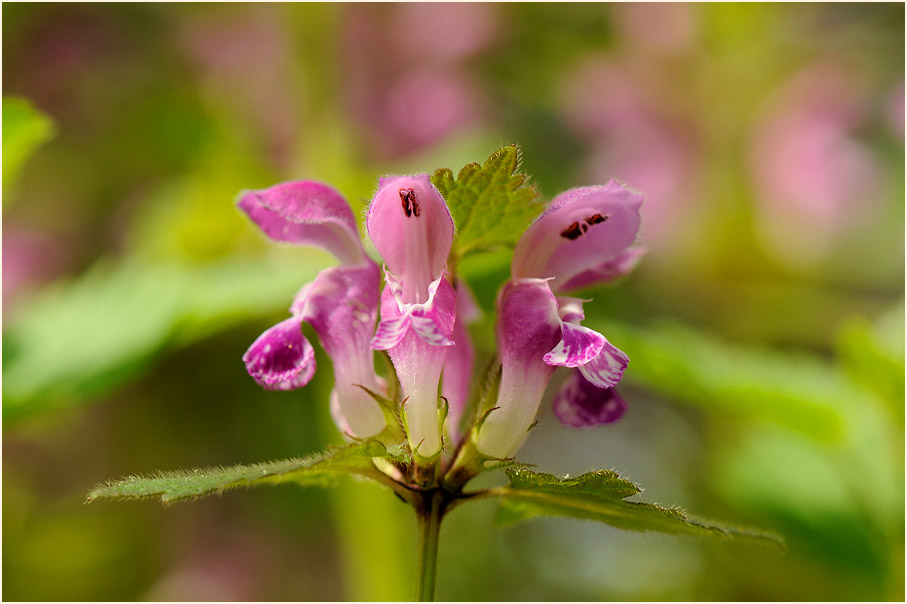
x=811 y=177
x=633 y=139
x=895 y=110
x=666 y=27
x=30 y=258
x=246 y=61
x=405 y=77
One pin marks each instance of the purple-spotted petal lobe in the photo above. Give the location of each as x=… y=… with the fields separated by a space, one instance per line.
x=411 y=227
x=579 y=403
x=432 y=320
x=390 y=332
x=281 y=358
x=582 y=229
x=419 y=354
x=606 y=369
x=578 y=346
x=306 y=213
x=428 y=330
x=607 y=271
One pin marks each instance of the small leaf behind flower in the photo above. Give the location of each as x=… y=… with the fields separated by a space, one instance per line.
x=491 y=204
x=601 y=496
x=318 y=470
x=25 y=128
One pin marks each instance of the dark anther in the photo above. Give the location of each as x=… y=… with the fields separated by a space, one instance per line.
x=572 y=232
x=408 y=199
x=596 y=218
x=585 y=228
x=410 y=205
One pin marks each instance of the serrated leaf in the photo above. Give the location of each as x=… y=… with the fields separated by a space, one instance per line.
x=24 y=129
x=320 y=469
x=491 y=204
x=601 y=496
x=602 y=483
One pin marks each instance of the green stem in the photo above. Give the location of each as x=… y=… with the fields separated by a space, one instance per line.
x=430 y=515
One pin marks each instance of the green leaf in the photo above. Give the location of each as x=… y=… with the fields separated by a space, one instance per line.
x=873 y=356
x=79 y=338
x=24 y=129
x=601 y=496
x=491 y=204
x=318 y=470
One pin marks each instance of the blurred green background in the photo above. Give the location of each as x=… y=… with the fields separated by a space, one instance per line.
x=765 y=325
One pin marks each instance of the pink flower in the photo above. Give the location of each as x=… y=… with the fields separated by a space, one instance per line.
x=340 y=304
x=411 y=227
x=583 y=238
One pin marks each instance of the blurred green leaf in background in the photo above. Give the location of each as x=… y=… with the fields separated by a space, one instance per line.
x=24 y=130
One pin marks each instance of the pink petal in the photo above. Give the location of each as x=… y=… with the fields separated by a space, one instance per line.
x=341 y=305
x=348 y=399
x=418 y=365
x=578 y=346
x=412 y=229
x=306 y=213
x=468 y=310
x=419 y=354
x=606 y=369
x=390 y=332
x=528 y=328
x=281 y=358
x=607 y=271
x=432 y=320
x=581 y=230
x=456 y=380
x=579 y=403
x=428 y=330
x=528 y=321
x=570 y=309
x=337 y=414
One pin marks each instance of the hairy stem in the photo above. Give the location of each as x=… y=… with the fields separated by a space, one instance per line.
x=430 y=514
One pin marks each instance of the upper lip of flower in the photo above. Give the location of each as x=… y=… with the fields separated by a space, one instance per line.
x=582 y=230
x=412 y=229
x=306 y=213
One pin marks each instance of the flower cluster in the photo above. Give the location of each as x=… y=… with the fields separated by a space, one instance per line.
x=585 y=237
